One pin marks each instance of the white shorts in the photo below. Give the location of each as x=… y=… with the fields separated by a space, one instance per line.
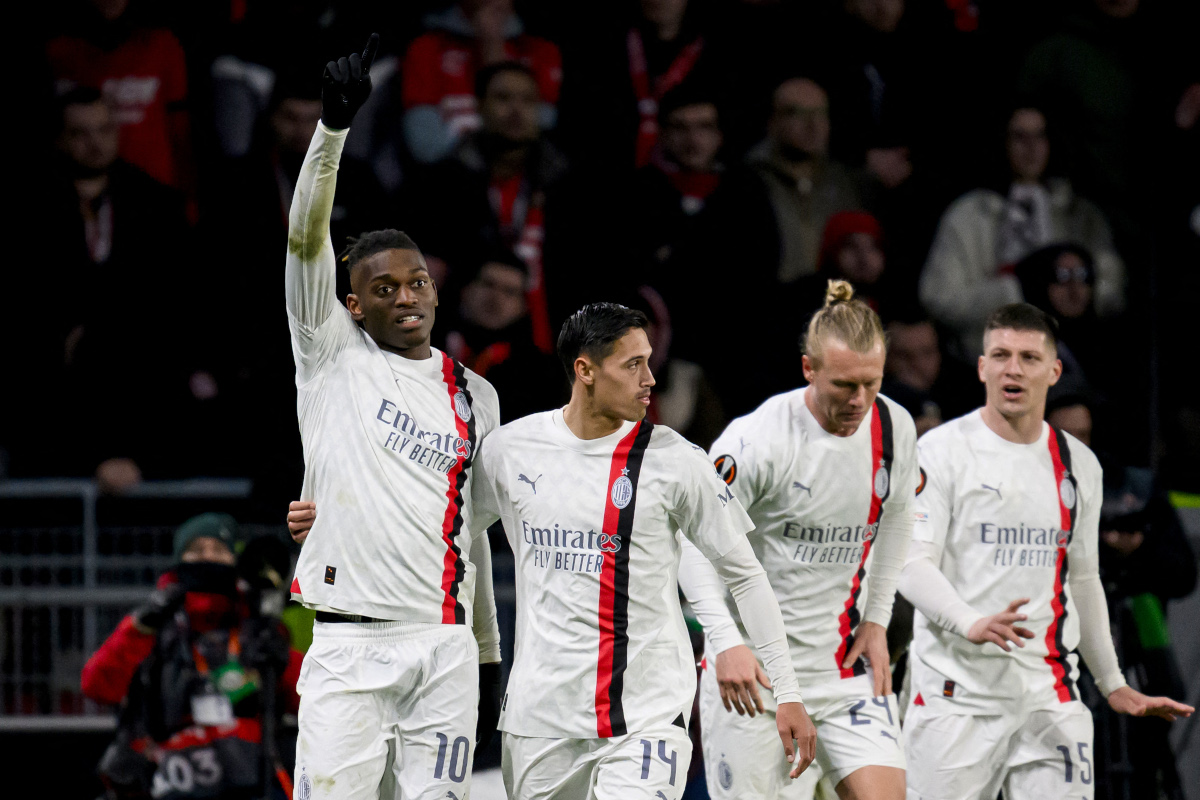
x=854 y=730
x=1042 y=755
x=648 y=765
x=380 y=692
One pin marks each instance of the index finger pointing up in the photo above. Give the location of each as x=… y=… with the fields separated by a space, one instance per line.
x=368 y=54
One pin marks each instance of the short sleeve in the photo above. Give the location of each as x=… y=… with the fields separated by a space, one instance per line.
x=739 y=463
x=932 y=508
x=421 y=80
x=705 y=508
x=1089 y=479
x=485 y=502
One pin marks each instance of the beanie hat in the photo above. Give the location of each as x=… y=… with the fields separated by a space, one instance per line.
x=213 y=525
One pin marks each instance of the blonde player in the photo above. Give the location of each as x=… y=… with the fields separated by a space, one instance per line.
x=1005 y=553
x=390 y=428
x=593 y=497
x=827 y=474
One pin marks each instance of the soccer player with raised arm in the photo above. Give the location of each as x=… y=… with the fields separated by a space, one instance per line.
x=827 y=474
x=1005 y=553
x=596 y=501
x=391 y=428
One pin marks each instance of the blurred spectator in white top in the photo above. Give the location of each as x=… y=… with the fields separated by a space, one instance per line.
x=983 y=234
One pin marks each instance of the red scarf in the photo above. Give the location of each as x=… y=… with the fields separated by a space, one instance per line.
x=648 y=96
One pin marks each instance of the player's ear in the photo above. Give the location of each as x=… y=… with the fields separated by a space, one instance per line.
x=979 y=369
x=354 y=307
x=806 y=366
x=1056 y=371
x=584 y=371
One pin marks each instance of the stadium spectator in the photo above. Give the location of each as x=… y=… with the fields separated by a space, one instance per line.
x=187 y=669
x=496 y=191
x=142 y=74
x=804 y=184
x=439 y=73
x=853 y=250
x=917 y=377
x=686 y=199
x=489 y=331
x=983 y=234
x=107 y=225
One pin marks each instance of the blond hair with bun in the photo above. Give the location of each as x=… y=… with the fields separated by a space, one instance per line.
x=844 y=318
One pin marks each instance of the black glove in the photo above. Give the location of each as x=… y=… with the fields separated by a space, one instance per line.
x=489 y=704
x=161 y=606
x=265 y=645
x=346 y=86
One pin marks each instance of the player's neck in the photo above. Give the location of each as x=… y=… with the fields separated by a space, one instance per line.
x=419 y=352
x=586 y=421
x=1023 y=429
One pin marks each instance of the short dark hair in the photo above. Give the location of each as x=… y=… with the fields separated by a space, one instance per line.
x=483 y=78
x=593 y=329
x=1023 y=317
x=74 y=96
x=686 y=94
x=372 y=242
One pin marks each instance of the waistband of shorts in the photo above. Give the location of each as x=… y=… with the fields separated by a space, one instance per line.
x=382 y=630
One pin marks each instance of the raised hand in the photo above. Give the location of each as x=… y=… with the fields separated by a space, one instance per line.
x=346 y=85
x=1002 y=628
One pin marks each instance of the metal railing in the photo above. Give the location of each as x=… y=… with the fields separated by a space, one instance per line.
x=72 y=564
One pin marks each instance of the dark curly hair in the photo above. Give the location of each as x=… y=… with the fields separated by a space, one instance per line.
x=368 y=244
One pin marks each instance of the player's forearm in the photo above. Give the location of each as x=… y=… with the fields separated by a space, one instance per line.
x=483 y=617
x=1095 y=635
x=890 y=550
x=930 y=593
x=705 y=592
x=310 y=274
x=747 y=582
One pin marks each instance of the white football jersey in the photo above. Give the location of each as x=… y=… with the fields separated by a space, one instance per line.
x=1010 y=519
x=389 y=442
x=601 y=645
x=816 y=501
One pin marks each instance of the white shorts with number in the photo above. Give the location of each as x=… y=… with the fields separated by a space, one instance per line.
x=1041 y=755
x=387 y=709
x=744 y=759
x=648 y=765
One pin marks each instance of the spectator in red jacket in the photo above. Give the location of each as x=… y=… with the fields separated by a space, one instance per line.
x=187 y=667
x=142 y=73
x=439 y=69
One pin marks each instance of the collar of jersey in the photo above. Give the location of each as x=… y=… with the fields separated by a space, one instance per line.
x=409 y=366
x=1001 y=442
x=604 y=444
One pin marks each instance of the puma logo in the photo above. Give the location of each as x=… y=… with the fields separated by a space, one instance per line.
x=451 y=795
x=532 y=483
x=995 y=489
x=660 y=794
x=799 y=485
x=888 y=735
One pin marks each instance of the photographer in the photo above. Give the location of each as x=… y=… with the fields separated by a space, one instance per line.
x=187 y=669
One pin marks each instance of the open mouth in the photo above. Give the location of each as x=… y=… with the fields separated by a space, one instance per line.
x=410 y=321
x=1012 y=391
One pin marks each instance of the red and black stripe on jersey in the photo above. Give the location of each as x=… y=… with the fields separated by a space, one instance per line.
x=453 y=568
x=882 y=453
x=614 y=584
x=1056 y=652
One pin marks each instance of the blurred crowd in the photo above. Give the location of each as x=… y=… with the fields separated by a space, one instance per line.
x=711 y=161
